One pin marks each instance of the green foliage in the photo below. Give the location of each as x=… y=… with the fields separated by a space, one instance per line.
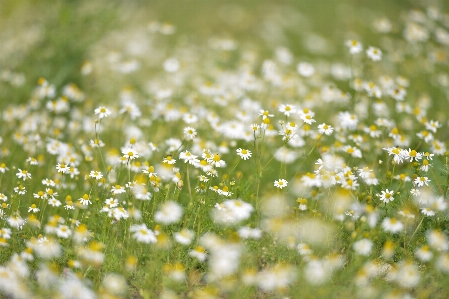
x=262 y=201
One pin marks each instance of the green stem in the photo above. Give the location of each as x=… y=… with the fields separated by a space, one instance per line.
x=97 y=136
x=447 y=176
x=229 y=172
x=188 y=183
x=43 y=210
x=419 y=225
x=316 y=142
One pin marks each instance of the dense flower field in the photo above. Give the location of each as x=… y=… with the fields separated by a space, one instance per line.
x=246 y=155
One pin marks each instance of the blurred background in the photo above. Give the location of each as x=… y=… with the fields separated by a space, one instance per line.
x=52 y=39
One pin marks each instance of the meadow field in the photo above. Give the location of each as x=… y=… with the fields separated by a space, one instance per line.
x=224 y=149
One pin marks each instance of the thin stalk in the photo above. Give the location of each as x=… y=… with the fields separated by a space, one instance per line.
x=419 y=225
x=97 y=136
x=188 y=183
x=232 y=168
x=316 y=142
x=447 y=176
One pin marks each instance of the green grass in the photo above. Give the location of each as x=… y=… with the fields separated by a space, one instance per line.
x=53 y=39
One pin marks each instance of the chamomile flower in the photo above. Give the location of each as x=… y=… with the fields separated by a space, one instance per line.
x=111 y=202
x=201 y=188
x=21 y=190
x=95 y=174
x=33 y=208
x=428 y=211
x=325 y=129
x=169 y=160
x=425 y=165
x=63 y=231
x=364 y=172
x=216 y=161
x=117 y=189
x=433 y=125
x=54 y=202
x=3 y=168
x=363 y=247
x=184 y=237
x=244 y=153
x=281 y=183
x=32 y=161
x=199 y=252
x=375 y=54
x=415 y=192
x=411 y=155
x=248 y=232
x=392 y=225
x=169 y=212
x=437 y=240
x=40 y=194
x=354 y=46
x=265 y=114
x=386 y=196
x=421 y=181
x=102 y=112
x=347 y=120
x=203 y=178
x=3 y=197
x=424 y=253
x=255 y=127
x=5 y=233
x=69 y=205
x=232 y=211
x=305 y=69
x=48 y=182
x=302 y=204
x=353 y=151
x=287 y=109
x=189 y=133
x=73 y=172
x=188 y=157
x=84 y=200
x=307 y=118
x=50 y=193
x=397 y=153
x=129 y=153
x=62 y=168
x=23 y=174
x=96 y=143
